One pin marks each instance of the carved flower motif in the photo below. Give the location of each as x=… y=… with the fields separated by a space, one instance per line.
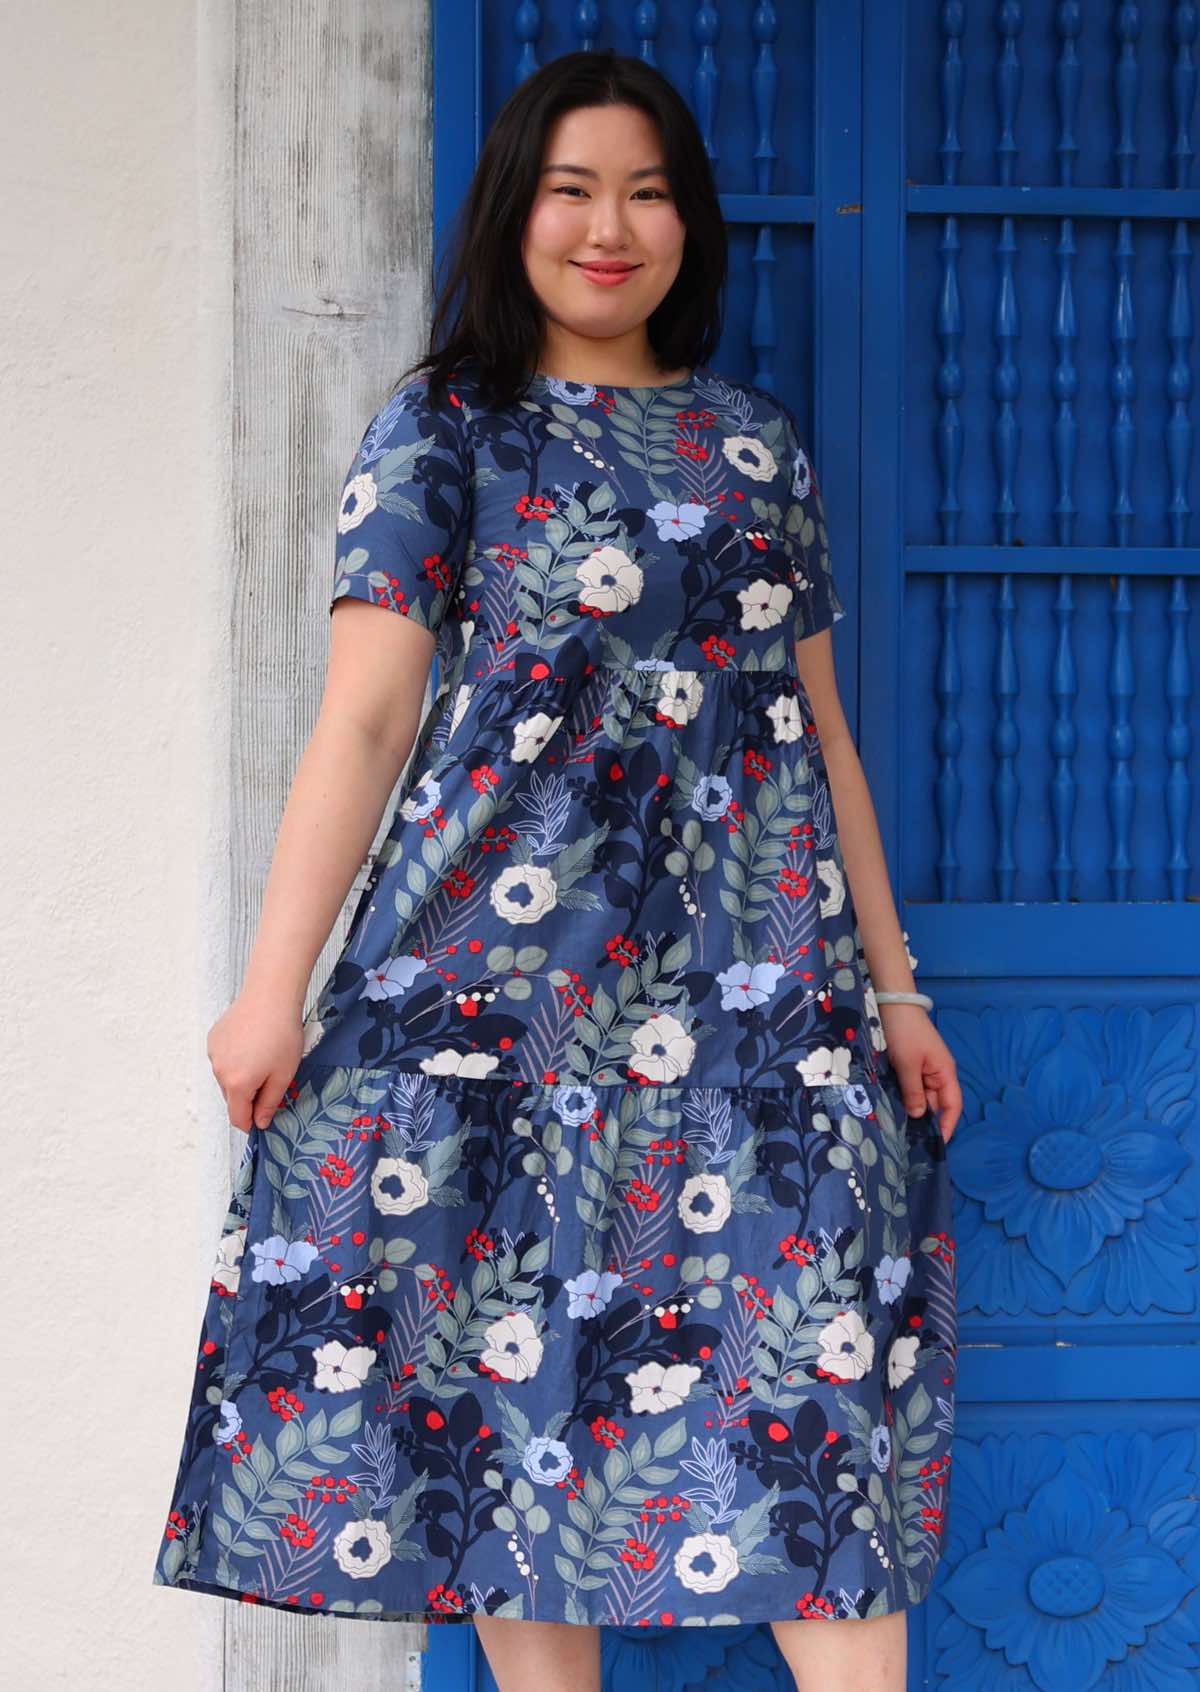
x=1074 y=1581
x=1065 y=1163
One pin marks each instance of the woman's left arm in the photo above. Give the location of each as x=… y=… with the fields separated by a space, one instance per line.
x=923 y=1062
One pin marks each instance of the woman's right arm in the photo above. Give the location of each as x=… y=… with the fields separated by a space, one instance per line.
x=365 y=730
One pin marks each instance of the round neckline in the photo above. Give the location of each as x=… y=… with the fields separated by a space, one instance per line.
x=623 y=387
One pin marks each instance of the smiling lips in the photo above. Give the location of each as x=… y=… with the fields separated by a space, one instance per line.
x=607 y=274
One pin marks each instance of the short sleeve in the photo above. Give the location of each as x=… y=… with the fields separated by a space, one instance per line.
x=405 y=513
x=818 y=604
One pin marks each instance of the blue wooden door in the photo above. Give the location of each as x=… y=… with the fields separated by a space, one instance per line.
x=962 y=250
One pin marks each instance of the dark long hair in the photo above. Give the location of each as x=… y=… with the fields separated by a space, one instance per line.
x=486 y=308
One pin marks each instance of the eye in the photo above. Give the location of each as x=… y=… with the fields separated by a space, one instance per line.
x=574 y=188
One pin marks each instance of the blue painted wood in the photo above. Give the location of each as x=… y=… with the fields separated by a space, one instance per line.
x=979 y=222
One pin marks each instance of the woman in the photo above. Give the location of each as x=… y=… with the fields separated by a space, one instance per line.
x=591 y=1262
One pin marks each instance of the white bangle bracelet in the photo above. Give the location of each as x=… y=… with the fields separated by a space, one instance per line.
x=904 y=999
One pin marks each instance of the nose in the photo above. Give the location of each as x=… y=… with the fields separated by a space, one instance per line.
x=608 y=226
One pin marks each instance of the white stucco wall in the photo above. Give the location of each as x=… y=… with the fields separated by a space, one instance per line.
x=120 y=384
x=115 y=279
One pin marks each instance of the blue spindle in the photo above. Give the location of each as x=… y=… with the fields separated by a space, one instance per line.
x=953 y=21
x=1179 y=741
x=948 y=734
x=764 y=81
x=1068 y=20
x=1123 y=385
x=950 y=383
x=947 y=788
x=1064 y=739
x=1066 y=387
x=1179 y=384
x=1120 y=739
x=645 y=29
x=1068 y=77
x=706 y=27
x=1008 y=86
x=1006 y=384
x=1006 y=742
x=1125 y=90
x=1185 y=19
x=527 y=26
x=587 y=23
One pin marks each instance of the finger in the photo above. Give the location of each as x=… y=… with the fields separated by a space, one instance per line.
x=237 y=1103
x=912 y=1091
x=270 y=1097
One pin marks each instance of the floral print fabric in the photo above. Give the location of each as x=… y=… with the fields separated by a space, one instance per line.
x=591 y=1270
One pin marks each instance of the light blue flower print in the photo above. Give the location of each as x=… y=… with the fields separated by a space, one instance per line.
x=395 y=978
x=881 y=1447
x=574 y=1104
x=801 y=475
x=591 y=1291
x=546 y=1461
x=281 y=1261
x=891 y=1276
x=678 y=522
x=230 y=1425
x=857 y=1099
x=744 y=985
x=711 y=796
x=573 y=393
x=424 y=799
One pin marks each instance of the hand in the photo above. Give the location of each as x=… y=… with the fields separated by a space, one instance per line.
x=254 y=1050
x=923 y=1062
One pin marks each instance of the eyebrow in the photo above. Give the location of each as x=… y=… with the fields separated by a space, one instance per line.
x=582 y=170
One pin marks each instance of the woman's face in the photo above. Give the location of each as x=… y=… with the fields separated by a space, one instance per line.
x=603 y=198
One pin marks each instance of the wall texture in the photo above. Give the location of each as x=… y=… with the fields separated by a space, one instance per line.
x=212 y=267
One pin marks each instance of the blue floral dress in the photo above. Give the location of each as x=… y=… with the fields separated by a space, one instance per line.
x=591 y=1270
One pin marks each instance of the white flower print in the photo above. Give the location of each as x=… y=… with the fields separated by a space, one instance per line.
x=832 y=877
x=228 y=1270
x=447 y=1062
x=902 y=1359
x=341 y=1368
x=825 y=1066
x=359 y=499
x=764 y=603
x=716 y=1202
x=512 y=1347
x=530 y=736
x=749 y=457
x=653 y=1388
x=462 y=698
x=313 y=1030
x=361 y=1548
x=523 y=892
x=846 y=1331
x=874 y=1020
x=680 y=693
x=706 y=1562
x=411 y=1181
x=663 y=1050
x=787 y=719
x=609 y=580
